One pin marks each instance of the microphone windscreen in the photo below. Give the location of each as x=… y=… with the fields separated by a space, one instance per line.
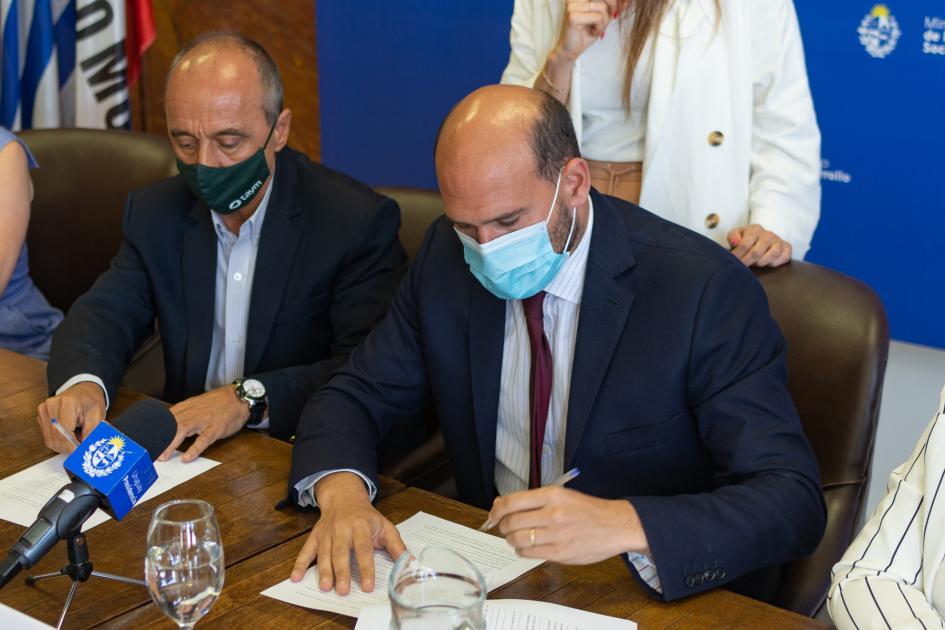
x=150 y=423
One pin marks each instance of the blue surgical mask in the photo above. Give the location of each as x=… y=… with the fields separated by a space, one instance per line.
x=517 y=265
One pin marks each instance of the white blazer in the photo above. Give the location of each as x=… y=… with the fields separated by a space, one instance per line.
x=743 y=76
x=891 y=576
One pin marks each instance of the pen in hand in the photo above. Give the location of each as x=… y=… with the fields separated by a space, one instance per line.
x=560 y=481
x=69 y=436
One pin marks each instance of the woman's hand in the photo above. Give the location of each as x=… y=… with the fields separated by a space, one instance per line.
x=584 y=23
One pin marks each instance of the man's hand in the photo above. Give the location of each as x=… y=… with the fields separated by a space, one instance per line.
x=348 y=523
x=212 y=416
x=81 y=406
x=755 y=246
x=567 y=526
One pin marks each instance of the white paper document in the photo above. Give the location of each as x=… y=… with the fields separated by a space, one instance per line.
x=492 y=555
x=11 y=618
x=23 y=494
x=515 y=614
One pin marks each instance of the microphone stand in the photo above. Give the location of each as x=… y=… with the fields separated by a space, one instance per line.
x=79 y=569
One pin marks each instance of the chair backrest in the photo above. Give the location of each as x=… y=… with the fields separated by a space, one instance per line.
x=418 y=210
x=83 y=179
x=837 y=345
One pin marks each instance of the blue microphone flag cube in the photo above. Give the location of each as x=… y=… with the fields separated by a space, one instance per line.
x=115 y=466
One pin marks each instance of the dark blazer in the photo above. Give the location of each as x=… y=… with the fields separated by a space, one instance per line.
x=678 y=397
x=327 y=266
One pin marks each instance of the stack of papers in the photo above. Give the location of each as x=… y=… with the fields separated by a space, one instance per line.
x=23 y=494
x=492 y=555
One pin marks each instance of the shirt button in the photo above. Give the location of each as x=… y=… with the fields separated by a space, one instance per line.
x=716 y=138
x=711 y=221
x=237 y=276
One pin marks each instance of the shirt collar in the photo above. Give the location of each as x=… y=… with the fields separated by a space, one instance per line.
x=568 y=283
x=253 y=224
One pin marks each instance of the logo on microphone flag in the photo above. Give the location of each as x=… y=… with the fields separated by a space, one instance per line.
x=114 y=465
x=104 y=457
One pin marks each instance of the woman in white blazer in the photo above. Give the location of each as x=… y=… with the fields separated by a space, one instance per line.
x=891 y=576
x=718 y=117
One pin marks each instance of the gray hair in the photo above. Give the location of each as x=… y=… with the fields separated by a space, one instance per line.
x=265 y=66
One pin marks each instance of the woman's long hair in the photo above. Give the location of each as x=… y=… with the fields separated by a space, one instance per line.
x=647 y=15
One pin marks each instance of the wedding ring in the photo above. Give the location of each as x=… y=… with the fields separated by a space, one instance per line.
x=531 y=537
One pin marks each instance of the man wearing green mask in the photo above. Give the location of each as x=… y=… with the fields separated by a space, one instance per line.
x=262 y=269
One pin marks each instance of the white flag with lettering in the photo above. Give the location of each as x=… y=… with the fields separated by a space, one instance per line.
x=101 y=85
x=64 y=63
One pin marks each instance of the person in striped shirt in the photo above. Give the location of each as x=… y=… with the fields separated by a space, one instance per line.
x=891 y=575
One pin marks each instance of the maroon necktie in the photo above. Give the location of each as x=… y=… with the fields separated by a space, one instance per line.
x=539 y=382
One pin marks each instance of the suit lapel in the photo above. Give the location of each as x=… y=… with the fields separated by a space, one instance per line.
x=486 y=341
x=605 y=307
x=277 y=245
x=198 y=270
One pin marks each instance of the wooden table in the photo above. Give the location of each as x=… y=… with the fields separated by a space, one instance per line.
x=261 y=544
x=244 y=489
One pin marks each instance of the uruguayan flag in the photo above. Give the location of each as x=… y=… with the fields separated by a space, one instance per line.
x=63 y=64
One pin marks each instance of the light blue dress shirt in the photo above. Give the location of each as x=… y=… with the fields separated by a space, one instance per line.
x=236 y=266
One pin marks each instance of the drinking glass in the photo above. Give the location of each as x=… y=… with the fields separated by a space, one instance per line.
x=437 y=590
x=184 y=564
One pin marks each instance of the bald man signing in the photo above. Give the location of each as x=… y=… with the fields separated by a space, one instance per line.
x=554 y=327
x=262 y=269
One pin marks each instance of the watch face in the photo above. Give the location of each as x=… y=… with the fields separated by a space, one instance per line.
x=254 y=389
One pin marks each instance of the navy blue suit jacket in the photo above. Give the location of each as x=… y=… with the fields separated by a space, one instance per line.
x=678 y=396
x=328 y=264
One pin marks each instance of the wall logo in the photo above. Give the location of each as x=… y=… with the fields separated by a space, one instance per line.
x=103 y=457
x=879 y=32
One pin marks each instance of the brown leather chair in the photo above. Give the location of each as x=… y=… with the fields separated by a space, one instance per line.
x=83 y=179
x=419 y=208
x=837 y=345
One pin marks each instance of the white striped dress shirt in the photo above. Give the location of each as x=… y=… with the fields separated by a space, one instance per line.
x=562 y=307
x=891 y=576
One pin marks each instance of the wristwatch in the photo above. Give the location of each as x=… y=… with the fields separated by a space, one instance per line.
x=254 y=393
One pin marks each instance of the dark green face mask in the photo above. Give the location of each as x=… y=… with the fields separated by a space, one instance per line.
x=226 y=189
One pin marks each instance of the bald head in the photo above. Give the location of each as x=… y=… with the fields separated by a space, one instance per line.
x=499 y=120
x=222 y=55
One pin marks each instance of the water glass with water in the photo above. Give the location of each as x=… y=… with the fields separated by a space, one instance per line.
x=184 y=564
x=437 y=590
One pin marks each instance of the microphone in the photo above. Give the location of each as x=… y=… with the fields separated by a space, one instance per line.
x=111 y=469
